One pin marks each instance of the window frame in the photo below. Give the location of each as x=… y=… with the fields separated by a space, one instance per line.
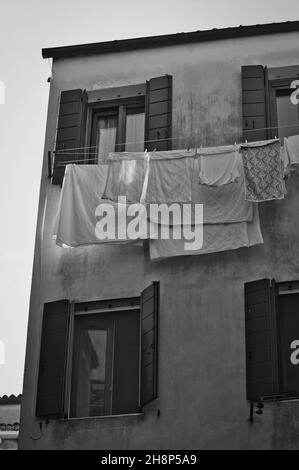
x=56 y=347
x=98 y=307
x=109 y=327
x=274 y=85
x=282 y=289
x=276 y=290
x=117 y=106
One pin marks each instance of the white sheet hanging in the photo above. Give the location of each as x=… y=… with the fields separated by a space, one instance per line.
x=126 y=176
x=168 y=178
x=216 y=238
x=81 y=194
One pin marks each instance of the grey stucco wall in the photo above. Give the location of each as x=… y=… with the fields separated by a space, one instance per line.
x=201 y=336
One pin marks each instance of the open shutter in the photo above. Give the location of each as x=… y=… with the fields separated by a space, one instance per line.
x=52 y=363
x=261 y=339
x=70 y=130
x=149 y=343
x=254 y=103
x=159 y=113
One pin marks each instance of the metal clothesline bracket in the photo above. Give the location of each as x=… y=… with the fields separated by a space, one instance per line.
x=250 y=419
x=50 y=164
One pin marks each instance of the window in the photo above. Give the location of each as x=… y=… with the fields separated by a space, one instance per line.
x=288 y=341
x=284 y=116
x=266 y=104
x=114 y=122
x=98 y=358
x=105 y=364
x=272 y=339
x=117 y=127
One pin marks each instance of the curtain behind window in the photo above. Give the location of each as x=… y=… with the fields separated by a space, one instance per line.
x=135 y=132
x=106 y=136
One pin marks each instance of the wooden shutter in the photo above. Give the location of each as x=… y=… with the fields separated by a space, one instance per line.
x=158 y=113
x=254 y=103
x=52 y=362
x=70 y=130
x=126 y=362
x=149 y=343
x=261 y=339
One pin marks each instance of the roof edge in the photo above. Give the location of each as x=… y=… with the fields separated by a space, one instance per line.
x=168 y=40
x=10 y=400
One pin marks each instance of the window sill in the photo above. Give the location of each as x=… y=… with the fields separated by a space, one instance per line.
x=275 y=399
x=282 y=400
x=129 y=415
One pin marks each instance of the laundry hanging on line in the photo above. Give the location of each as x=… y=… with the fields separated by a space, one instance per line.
x=161 y=177
x=218 y=166
x=172 y=176
x=221 y=204
x=126 y=176
x=291 y=145
x=167 y=184
x=263 y=170
x=77 y=220
x=216 y=238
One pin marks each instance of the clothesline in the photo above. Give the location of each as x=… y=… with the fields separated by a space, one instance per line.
x=70 y=150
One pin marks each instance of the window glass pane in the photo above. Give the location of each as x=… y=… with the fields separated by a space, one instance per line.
x=92 y=365
x=106 y=136
x=287 y=115
x=105 y=364
x=288 y=321
x=135 y=123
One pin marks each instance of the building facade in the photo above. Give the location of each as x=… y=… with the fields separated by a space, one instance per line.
x=206 y=88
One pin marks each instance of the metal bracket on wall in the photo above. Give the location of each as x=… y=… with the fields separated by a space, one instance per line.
x=50 y=164
x=251 y=411
x=259 y=411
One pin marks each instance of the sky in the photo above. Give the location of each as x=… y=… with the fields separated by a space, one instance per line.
x=27 y=27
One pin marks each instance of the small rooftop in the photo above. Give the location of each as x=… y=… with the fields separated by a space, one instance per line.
x=169 y=40
x=10 y=400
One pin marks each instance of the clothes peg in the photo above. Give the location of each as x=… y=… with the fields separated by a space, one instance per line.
x=198 y=150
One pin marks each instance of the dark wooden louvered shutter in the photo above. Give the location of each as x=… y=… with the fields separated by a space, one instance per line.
x=159 y=113
x=149 y=344
x=70 y=130
x=261 y=339
x=254 y=103
x=52 y=362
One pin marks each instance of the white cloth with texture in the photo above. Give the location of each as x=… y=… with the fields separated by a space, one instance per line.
x=218 y=165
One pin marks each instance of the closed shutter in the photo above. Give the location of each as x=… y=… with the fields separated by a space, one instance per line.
x=126 y=362
x=254 y=103
x=52 y=362
x=261 y=340
x=70 y=130
x=149 y=344
x=159 y=113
